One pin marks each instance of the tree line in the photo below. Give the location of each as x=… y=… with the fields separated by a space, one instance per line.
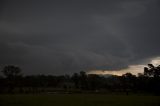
x=13 y=81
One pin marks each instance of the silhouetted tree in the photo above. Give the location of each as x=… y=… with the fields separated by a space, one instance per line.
x=83 y=80
x=128 y=82
x=152 y=71
x=94 y=82
x=154 y=74
x=12 y=73
x=2 y=84
x=75 y=78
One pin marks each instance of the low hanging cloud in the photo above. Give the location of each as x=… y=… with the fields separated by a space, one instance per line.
x=133 y=69
x=57 y=37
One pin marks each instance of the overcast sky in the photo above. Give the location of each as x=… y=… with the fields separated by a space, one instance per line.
x=67 y=36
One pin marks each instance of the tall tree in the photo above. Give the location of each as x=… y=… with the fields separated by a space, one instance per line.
x=154 y=74
x=128 y=82
x=152 y=71
x=75 y=78
x=12 y=73
x=83 y=80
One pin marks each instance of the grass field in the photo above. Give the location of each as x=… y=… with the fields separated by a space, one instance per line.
x=78 y=100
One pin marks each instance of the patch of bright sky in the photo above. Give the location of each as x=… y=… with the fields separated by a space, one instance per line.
x=134 y=69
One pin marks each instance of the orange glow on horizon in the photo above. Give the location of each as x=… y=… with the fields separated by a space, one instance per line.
x=134 y=69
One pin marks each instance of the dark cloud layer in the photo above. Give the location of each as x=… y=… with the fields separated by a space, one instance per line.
x=57 y=37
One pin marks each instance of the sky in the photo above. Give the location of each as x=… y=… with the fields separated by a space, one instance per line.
x=68 y=36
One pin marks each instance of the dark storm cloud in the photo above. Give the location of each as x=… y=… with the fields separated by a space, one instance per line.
x=59 y=37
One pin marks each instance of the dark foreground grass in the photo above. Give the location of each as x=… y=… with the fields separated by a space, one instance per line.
x=78 y=100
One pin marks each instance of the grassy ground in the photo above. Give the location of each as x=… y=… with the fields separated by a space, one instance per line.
x=78 y=100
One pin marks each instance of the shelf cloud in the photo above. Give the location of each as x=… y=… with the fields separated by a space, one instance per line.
x=59 y=36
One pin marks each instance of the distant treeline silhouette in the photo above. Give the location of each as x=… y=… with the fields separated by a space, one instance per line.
x=13 y=81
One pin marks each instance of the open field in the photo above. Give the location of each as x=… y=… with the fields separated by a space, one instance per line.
x=78 y=100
